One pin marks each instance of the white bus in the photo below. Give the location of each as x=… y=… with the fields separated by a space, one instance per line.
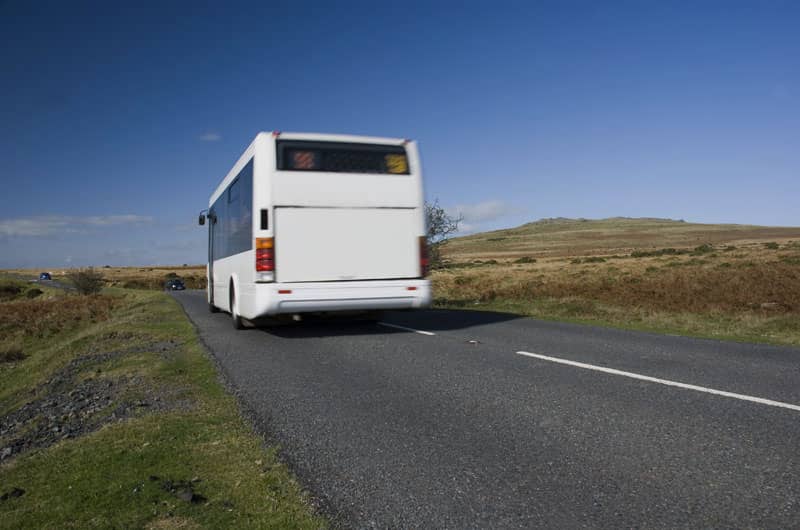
x=308 y=223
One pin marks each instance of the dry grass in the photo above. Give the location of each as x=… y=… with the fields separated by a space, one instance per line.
x=682 y=285
x=43 y=317
x=154 y=277
x=149 y=278
x=581 y=237
x=733 y=285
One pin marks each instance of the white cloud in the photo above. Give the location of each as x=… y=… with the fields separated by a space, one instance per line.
x=475 y=217
x=59 y=224
x=483 y=211
x=211 y=137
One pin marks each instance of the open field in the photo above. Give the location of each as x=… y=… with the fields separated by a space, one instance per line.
x=720 y=281
x=151 y=278
x=734 y=282
x=113 y=417
x=617 y=235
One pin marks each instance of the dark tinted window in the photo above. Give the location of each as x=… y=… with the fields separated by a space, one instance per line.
x=233 y=210
x=341 y=157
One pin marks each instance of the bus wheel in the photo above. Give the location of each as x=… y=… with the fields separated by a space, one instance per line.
x=237 y=320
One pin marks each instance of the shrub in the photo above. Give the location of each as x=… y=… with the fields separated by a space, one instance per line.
x=43 y=317
x=525 y=259
x=86 y=281
x=771 y=245
x=170 y=276
x=33 y=293
x=705 y=248
x=195 y=282
x=11 y=354
x=441 y=226
x=590 y=259
x=657 y=252
x=9 y=290
x=138 y=283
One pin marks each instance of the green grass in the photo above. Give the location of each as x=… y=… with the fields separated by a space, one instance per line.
x=774 y=329
x=103 y=479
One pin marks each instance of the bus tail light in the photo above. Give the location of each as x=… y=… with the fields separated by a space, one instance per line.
x=424 y=260
x=265 y=254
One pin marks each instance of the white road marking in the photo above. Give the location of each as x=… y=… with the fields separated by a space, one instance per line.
x=406 y=329
x=632 y=375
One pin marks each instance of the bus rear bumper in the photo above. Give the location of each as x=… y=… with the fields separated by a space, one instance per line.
x=290 y=298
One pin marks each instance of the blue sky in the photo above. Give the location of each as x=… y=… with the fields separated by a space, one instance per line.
x=116 y=123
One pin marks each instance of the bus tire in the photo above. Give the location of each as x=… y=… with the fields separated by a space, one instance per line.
x=237 y=320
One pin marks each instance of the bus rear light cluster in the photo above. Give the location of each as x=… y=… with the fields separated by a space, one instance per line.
x=424 y=260
x=265 y=254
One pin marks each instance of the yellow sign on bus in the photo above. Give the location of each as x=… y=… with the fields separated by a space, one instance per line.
x=396 y=163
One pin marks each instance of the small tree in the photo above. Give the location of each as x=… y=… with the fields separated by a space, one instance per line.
x=86 y=281
x=440 y=227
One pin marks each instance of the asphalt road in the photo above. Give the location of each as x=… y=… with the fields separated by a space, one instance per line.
x=391 y=428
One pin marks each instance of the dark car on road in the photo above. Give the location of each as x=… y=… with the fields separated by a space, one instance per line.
x=45 y=276
x=174 y=285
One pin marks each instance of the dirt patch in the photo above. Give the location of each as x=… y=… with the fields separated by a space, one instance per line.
x=78 y=400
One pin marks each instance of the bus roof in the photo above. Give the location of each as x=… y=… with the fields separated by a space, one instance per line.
x=349 y=138
x=316 y=137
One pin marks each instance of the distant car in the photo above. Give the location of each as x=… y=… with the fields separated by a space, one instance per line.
x=175 y=285
x=45 y=276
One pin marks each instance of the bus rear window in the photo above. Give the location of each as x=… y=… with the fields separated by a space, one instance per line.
x=341 y=157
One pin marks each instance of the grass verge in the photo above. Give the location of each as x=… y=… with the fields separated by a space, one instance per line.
x=747 y=327
x=116 y=418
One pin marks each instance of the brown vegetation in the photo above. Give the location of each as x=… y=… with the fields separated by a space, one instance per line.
x=145 y=278
x=42 y=317
x=583 y=237
x=736 y=286
x=86 y=281
x=694 y=286
x=154 y=278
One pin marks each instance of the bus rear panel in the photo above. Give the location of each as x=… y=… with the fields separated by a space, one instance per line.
x=336 y=223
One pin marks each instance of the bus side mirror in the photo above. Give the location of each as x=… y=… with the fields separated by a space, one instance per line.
x=202 y=220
